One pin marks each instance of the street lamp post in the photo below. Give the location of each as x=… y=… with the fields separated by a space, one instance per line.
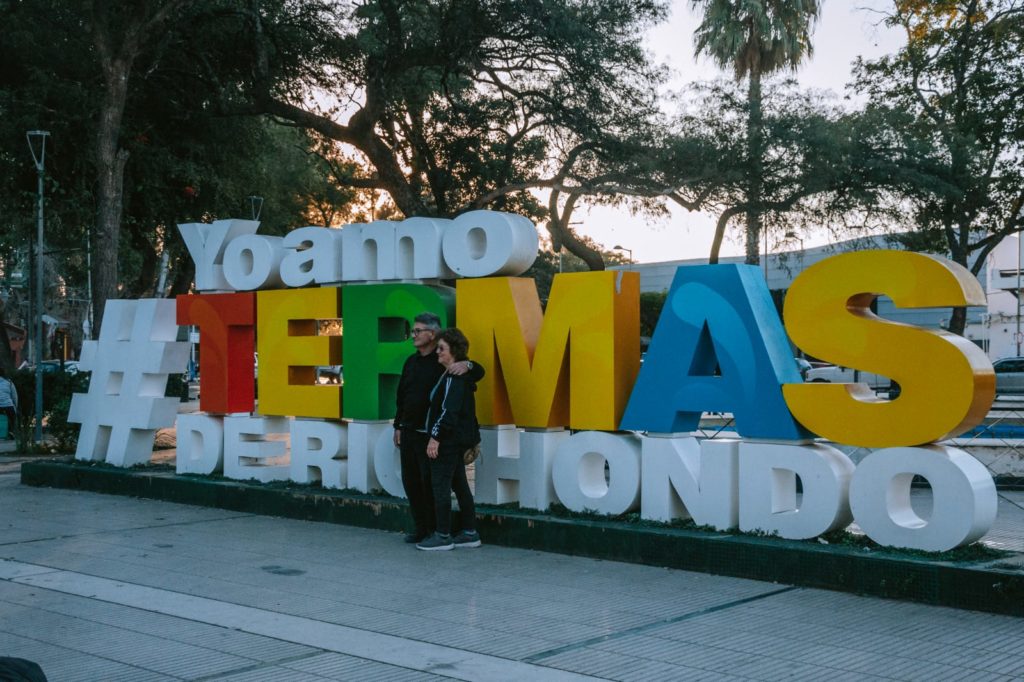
x=629 y=251
x=764 y=233
x=88 y=282
x=1018 y=337
x=38 y=137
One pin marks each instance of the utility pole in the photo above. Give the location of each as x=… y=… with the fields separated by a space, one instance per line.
x=39 y=137
x=1017 y=336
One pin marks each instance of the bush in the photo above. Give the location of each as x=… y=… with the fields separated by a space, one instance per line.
x=58 y=388
x=63 y=432
x=177 y=387
x=651 y=304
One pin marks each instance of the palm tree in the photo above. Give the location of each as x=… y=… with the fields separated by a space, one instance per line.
x=755 y=37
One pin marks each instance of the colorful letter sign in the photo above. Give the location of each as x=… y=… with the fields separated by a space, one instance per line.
x=716 y=317
x=719 y=346
x=571 y=366
x=376 y=321
x=290 y=351
x=227 y=323
x=947 y=382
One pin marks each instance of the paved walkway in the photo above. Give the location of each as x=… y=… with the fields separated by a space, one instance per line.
x=97 y=587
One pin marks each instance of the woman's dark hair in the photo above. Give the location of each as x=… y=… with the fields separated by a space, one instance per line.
x=457 y=342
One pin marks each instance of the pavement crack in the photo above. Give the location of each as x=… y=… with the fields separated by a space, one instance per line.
x=49 y=641
x=534 y=658
x=172 y=524
x=1006 y=499
x=262 y=665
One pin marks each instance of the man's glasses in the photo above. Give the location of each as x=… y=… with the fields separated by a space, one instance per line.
x=417 y=332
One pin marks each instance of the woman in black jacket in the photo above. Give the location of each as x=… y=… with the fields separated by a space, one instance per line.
x=453 y=429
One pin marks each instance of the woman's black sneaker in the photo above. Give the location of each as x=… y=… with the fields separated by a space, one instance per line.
x=436 y=542
x=467 y=538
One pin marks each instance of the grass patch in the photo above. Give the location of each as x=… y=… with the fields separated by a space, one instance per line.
x=972 y=553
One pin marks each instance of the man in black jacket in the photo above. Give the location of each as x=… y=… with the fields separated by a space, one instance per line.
x=419 y=375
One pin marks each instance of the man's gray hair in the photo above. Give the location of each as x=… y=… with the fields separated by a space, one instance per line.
x=429 y=320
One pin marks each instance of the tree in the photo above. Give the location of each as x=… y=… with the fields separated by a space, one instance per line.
x=120 y=35
x=820 y=165
x=755 y=38
x=464 y=104
x=183 y=159
x=644 y=171
x=951 y=112
x=550 y=263
x=651 y=305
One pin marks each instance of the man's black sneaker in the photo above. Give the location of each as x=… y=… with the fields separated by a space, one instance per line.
x=467 y=538
x=436 y=542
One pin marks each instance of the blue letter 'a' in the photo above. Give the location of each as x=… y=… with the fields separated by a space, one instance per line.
x=716 y=316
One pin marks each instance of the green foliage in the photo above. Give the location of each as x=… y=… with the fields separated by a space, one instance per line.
x=974 y=552
x=187 y=160
x=58 y=388
x=761 y=36
x=448 y=107
x=651 y=303
x=818 y=166
x=472 y=104
x=177 y=387
x=549 y=264
x=948 y=112
x=756 y=38
x=63 y=434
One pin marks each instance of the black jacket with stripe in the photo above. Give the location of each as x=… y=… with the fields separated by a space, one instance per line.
x=419 y=375
x=451 y=417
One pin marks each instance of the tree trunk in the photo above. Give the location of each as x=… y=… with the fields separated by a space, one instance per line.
x=562 y=234
x=723 y=222
x=958 y=320
x=184 y=271
x=149 y=269
x=117 y=50
x=110 y=163
x=959 y=251
x=6 y=354
x=755 y=151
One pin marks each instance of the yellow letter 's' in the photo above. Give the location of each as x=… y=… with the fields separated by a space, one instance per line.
x=947 y=384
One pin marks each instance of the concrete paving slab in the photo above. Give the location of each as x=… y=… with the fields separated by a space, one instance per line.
x=993 y=583
x=113 y=588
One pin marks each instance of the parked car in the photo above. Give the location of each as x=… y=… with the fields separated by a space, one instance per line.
x=833 y=374
x=1009 y=375
x=53 y=366
x=330 y=375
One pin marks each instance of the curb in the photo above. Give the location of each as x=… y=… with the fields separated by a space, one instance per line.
x=979 y=586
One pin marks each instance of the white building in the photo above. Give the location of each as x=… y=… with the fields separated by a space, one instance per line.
x=996 y=328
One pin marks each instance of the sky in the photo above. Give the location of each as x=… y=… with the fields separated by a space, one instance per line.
x=847 y=29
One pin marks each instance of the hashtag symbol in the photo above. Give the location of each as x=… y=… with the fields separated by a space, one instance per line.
x=130 y=362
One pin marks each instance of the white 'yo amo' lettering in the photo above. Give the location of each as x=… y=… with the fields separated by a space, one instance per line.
x=230 y=256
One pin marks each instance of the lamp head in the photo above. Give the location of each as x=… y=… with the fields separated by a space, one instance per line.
x=37 y=138
x=256 y=204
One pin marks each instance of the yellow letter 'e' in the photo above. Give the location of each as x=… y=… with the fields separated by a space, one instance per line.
x=290 y=351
